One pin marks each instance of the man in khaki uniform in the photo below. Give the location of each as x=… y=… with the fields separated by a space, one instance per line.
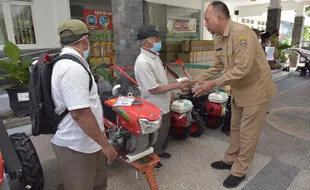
x=240 y=56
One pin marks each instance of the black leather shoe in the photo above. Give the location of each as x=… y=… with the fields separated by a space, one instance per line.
x=159 y=165
x=165 y=155
x=220 y=165
x=233 y=181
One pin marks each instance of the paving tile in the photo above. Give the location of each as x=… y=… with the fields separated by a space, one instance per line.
x=275 y=176
x=301 y=181
x=188 y=168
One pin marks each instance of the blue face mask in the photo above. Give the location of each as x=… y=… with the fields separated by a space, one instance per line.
x=157 y=47
x=86 y=53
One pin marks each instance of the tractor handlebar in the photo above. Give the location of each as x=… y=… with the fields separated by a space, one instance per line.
x=169 y=70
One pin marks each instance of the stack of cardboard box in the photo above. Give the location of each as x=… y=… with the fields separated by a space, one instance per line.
x=169 y=51
x=196 y=51
x=200 y=45
x=102 y=52
x=190 y=51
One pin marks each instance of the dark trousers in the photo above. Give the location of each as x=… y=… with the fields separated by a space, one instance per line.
x=162 y=134
x=226 y=125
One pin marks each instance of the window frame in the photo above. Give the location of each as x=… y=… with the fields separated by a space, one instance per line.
x=9 y=23
x=2 y=5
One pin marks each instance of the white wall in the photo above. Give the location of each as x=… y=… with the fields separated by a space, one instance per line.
x=206 y=34
x=258 y=10
x=286 y=16
x=256 y=19
x=94 y=4
x=183 y=12
x=47 y=15
x=195 y=4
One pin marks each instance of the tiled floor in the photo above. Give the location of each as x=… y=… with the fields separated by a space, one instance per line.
x=282 y=160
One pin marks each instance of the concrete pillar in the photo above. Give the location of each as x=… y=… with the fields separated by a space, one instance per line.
x=298 y=26
x=127 y=19
x=298 y=30
x=274 y=15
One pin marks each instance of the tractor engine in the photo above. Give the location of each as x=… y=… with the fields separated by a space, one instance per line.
x=216 y=109
x=133 y=130
x=181 y=113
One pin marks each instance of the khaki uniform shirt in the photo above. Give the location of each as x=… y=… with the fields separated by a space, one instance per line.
x=241 y=57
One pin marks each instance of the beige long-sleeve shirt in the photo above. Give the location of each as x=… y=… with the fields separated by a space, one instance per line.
x=240 y=56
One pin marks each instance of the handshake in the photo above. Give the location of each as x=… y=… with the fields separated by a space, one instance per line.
x=198 y=88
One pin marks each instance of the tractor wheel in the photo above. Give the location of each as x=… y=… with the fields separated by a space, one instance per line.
x=198 y=126
x=179 y=133
x=32 y=173
x=214 y=122
x=196 y=130
x=303 y=73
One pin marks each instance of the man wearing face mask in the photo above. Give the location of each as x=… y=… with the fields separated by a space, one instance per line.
x=258 y=34
x=80 y=145
x=151 y=76
x=266 y=42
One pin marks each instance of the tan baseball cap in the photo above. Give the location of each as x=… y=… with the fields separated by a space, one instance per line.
x=71 y=27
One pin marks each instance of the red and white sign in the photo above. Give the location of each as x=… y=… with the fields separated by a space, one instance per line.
x=184 y=25
x=98 y=20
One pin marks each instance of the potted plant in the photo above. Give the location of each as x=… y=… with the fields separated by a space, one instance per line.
x=100 y=71
x=283 y=55
x=307 y=11
x=16 y=70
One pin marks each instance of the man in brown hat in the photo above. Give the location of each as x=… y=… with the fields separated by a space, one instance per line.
x=80 y=145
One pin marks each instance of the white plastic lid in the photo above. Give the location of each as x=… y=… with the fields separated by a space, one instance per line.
x=218 y=97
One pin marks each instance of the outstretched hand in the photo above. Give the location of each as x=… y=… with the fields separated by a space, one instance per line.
x=204 y=87
x=190 y=84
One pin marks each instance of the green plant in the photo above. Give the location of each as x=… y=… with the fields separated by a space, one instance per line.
x=307 y=11
x=306 y=33
x=16 y=68
x=282 y=54
x=100 y=70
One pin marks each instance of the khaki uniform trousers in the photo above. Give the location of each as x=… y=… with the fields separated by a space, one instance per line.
x=246 y=126
x=80 y=171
